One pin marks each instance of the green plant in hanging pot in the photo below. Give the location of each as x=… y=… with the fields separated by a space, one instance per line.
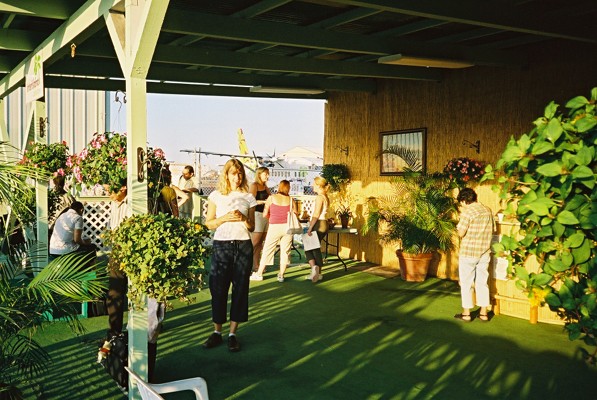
x=419 y=217
x=162 y=256
x=548 y=179
x=48 y=158
x=336 y=175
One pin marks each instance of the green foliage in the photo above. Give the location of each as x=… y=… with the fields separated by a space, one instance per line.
x=548 y=178
x=162 y=256
x=25 y=208
x=24 y=304
x=50 y=158
x=14 y=190
x=419 y=215
x=336 y=175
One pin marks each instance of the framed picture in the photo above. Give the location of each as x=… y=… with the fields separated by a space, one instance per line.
x=400 y=150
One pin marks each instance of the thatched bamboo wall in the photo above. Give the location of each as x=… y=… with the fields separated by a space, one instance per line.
x=481 y=103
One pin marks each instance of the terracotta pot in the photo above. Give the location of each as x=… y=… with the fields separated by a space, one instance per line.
x=414 y=267
x=344 y=221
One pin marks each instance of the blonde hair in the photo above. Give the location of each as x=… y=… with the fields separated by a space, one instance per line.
x=321 y=182
x=224 y=185
x=258 y=173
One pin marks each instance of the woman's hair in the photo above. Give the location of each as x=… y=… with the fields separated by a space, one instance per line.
x=224 y=185
x=467 y=195
x=284 y=187
x=321 y=182
x=77 y=206
x=258 y=173
x=166 y=177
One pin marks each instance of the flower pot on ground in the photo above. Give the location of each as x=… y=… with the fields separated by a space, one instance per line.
x=418 y=216
x=414 y=267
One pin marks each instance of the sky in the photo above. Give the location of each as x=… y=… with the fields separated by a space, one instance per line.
x=176 y=122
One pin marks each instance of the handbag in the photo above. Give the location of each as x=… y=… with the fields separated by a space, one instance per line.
x=113 y=356
x=292 y=222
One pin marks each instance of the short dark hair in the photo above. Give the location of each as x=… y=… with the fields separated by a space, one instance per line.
x=77 y=206
x=467 y=195
x=190 y=169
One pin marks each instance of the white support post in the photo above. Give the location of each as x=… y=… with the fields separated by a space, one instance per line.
x=134 y=37
x=40 y=250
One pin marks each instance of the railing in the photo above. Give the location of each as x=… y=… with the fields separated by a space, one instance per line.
x=97 y=214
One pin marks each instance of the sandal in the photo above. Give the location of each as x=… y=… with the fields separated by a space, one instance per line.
x=483 y=318
x=463 y=317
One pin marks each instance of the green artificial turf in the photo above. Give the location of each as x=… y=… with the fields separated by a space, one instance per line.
x=352 y=336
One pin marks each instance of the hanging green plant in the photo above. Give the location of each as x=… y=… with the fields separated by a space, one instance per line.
x=548 y=179
x=162 y=256
x=336 y=175
x=49 y=158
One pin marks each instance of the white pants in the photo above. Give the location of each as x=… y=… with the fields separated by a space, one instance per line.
x=474 y=272
x=276 y=233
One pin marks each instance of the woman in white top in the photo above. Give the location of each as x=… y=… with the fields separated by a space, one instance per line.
x=67 y=236
x=276 y=209
x=231 y=213
x=319 y=224
x=261 y=192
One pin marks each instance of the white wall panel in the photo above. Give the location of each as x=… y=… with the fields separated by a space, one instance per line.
x=73 y=116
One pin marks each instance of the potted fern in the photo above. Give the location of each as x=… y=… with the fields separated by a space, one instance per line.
x=419 y=217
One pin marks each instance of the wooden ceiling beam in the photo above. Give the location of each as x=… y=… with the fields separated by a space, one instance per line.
x=166 y=88
x=262 y=62
x=54 y=9
x=109 y=69
x=276 y=33
x=495 y=15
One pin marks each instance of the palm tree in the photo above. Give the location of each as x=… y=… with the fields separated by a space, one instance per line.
x=26 y=301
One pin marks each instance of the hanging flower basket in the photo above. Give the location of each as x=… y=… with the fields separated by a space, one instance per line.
x=48 y=158
x=104 y=162
x=464 y=170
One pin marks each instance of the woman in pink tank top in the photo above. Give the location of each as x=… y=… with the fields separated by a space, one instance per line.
x=276 y=209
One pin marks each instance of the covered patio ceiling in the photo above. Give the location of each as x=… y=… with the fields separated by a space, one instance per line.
x=225 y=47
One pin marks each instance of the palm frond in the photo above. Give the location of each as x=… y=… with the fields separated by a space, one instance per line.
x=71 y=276
x=27 y=356
x=411 y=157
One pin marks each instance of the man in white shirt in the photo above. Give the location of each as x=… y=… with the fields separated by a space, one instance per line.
x=188 y=185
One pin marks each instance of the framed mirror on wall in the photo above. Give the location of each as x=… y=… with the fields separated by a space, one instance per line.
x=400 y=150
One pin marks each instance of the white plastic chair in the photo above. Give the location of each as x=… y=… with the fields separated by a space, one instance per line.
x=151 y=391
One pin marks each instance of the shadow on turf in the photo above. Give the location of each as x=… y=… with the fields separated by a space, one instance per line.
x=352 y=336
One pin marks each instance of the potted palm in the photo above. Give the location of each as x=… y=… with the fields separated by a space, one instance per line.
x=419 y=217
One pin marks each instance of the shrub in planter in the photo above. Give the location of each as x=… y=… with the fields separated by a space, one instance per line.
x=163 y=256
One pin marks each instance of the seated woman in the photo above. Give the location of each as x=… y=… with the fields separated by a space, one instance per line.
x=67 y=236
x=276 y=209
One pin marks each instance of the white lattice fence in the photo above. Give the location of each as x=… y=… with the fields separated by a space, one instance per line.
x=96 y=217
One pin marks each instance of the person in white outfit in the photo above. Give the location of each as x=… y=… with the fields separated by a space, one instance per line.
x=318 y=223
x=276 y=209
